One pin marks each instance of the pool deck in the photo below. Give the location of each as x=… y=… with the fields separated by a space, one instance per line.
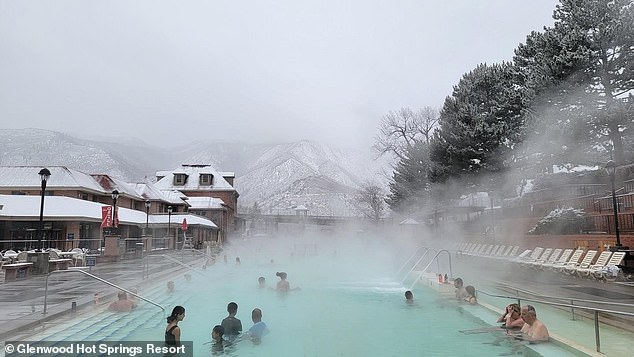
x=22 y=301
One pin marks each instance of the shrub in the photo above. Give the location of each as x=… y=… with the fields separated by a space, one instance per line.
x=565 y=220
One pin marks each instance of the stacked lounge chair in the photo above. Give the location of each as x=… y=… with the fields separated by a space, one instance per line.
x=575 y=258
x=563 y=259
x=535 y=254
x=603 y=259
x=551 y=259
x=542 y=258
x=585 y=263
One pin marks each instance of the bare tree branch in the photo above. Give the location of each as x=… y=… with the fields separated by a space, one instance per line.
x=403 y=129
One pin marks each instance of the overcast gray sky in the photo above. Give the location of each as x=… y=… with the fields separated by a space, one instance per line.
x=260 y=71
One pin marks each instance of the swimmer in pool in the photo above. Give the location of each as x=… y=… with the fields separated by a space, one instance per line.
x=409 y=297
x=283 y=284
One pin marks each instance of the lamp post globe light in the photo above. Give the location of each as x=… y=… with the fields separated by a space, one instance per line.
x=610 y=167
x=45 y=174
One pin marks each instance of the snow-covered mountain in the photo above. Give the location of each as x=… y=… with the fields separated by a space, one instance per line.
x=49 y=148
x=321 y=178
x=279 y=177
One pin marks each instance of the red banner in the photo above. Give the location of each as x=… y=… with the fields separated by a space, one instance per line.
x=106 y=217
x=184 y=225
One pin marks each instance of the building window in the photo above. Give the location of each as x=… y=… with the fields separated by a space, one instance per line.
x=18 y=193
x=206 y=179
x=180 y=179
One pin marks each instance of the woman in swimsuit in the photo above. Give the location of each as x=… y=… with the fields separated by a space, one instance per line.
x=172 y=331
x=283 y=284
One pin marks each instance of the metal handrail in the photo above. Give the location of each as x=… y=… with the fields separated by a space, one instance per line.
x=431 y=261
x=96 y=278
x=600 y=302
x=409 y=259
x=417 y=262
x=593 y=309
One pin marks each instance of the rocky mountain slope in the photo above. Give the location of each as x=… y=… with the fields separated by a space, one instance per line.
x=279 y=177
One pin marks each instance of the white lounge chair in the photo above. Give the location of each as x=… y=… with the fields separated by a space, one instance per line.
x=551 y=259
x=523 y=256
x=602 y=260
x=79 y=259
x=489 y=251
x=574 y=259
x=542 y=258
x=563 y=258
x=586 y=262
x=512 y=251
x=615 y=259
x=535 y=254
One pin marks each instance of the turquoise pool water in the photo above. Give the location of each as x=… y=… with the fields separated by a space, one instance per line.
x=344 y=308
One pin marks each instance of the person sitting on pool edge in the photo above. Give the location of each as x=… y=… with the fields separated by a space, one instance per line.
x=122 y=304
x=409 y=297
x=471 y=295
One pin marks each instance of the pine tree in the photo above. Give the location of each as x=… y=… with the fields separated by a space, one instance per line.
x=480 y=123
x=581 y=69
x=410 y=188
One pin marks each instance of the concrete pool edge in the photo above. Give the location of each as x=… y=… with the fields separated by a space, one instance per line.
x=431 y=281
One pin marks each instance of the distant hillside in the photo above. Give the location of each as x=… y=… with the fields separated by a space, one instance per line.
x=47 y=148
x=276 y=176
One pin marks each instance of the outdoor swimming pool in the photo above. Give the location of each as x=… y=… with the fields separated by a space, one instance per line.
x=345 y=308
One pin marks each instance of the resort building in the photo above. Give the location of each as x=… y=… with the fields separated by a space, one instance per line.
x=76 y=206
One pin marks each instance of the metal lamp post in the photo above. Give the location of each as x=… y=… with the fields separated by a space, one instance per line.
x=169 y=221
x=115 y=225
x=147 y=215
x=44 y=176
x=610 y=167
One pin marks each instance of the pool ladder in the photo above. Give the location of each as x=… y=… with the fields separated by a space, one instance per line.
x=434 y=258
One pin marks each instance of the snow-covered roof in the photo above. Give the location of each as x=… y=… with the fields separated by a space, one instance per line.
x=205 y=203
x=409 y=221
x=58 y=208
x=150 y=192
x=175 y=197
x=110 y=183
x=193 y=172
x=26 y=177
